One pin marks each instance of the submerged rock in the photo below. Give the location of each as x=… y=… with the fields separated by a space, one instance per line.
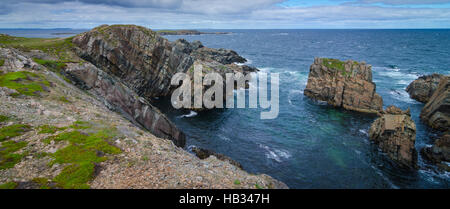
x=205 y=153
x=395 y=134
x=439 y=153
x=436 y=112
x=423 y=88
x=343 y=84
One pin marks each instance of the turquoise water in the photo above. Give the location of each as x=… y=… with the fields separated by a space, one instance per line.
x=312 y=145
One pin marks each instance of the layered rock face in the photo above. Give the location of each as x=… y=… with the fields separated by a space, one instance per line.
x=120 y=98
x=423 y=88
x=395 y=133
x=436 y=113
x=140 y=58
x=145 y=61
x=343 y=84
x=439 y=153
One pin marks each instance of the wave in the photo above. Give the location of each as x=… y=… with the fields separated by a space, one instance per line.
x=191 y=114
x=275 y=154
x=403 y=96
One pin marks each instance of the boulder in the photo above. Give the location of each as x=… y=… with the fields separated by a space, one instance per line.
x=439 y=153
x=205 y=153
x=423 y=88
x=436 y=112
x=343 y=84
x=395 y=133
x=120 y=98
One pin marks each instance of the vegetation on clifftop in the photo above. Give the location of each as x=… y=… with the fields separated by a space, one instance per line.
x=24 y=82
x=58 y=47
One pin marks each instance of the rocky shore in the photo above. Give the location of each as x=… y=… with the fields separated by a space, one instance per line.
x=348 y=84
x=77 y=113
x=187 y=32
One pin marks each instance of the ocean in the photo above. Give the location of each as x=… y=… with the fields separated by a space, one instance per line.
x=311 y=144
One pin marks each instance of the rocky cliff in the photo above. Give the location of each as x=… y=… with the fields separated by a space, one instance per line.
x=56 y=135
x=395 y=133
x=439 y=153
x=436 y=112
x=145 y=62
x=120 y=98
x=423 y=88
x=343 y=84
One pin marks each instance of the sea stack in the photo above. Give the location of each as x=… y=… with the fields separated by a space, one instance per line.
x=423 y=88
x=347 y=84
x=395 y=133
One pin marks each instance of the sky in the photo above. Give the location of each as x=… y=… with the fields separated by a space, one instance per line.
x=226 y=14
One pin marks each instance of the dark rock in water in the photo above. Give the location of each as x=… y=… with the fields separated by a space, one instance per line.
x=205 y=153
x=439 y=153
x=436 y=112
x=395 y=133
x=423 y=88
x=343 y=84
x=120 y=98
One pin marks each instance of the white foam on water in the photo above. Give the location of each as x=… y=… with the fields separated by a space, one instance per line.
x=275 y=154
x=403 y=96
x=249 y=62
x=363 y=132
x=224 y=137
x=191 y=114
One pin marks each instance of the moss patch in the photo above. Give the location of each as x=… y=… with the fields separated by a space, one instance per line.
x=26 y=83
x=43 y=183
x=237 y=182
x=83 y=152
x=48 y=129
x=2 y=62
x=3 y=118
x=9 y=185
x=338 y=65
x=7 y=157
x=13 y=131
x=81 y=125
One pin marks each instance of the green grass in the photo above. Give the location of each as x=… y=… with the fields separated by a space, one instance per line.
x=26 y=83
x=2 y=62
x=81 y=155
x=11 y=131
x=58 y=47
x=237 y=182
x=9 y=185
x=48 y=129
x=258 y=187
x=55 y=66
x=63 y=99
x=3 y=118
x=338 y=65
x=81 y=125
x=42 y=182
x=7 y=157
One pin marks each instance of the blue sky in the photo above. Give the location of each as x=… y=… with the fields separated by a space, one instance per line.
x=226 y=14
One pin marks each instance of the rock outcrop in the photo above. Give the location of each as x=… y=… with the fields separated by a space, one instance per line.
x=423 y=88
x=436 y=113
x=395 y=134
x=343 y=84
x=120 y=98
x=439 y=153
x=205 y=153
x=145 y=62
